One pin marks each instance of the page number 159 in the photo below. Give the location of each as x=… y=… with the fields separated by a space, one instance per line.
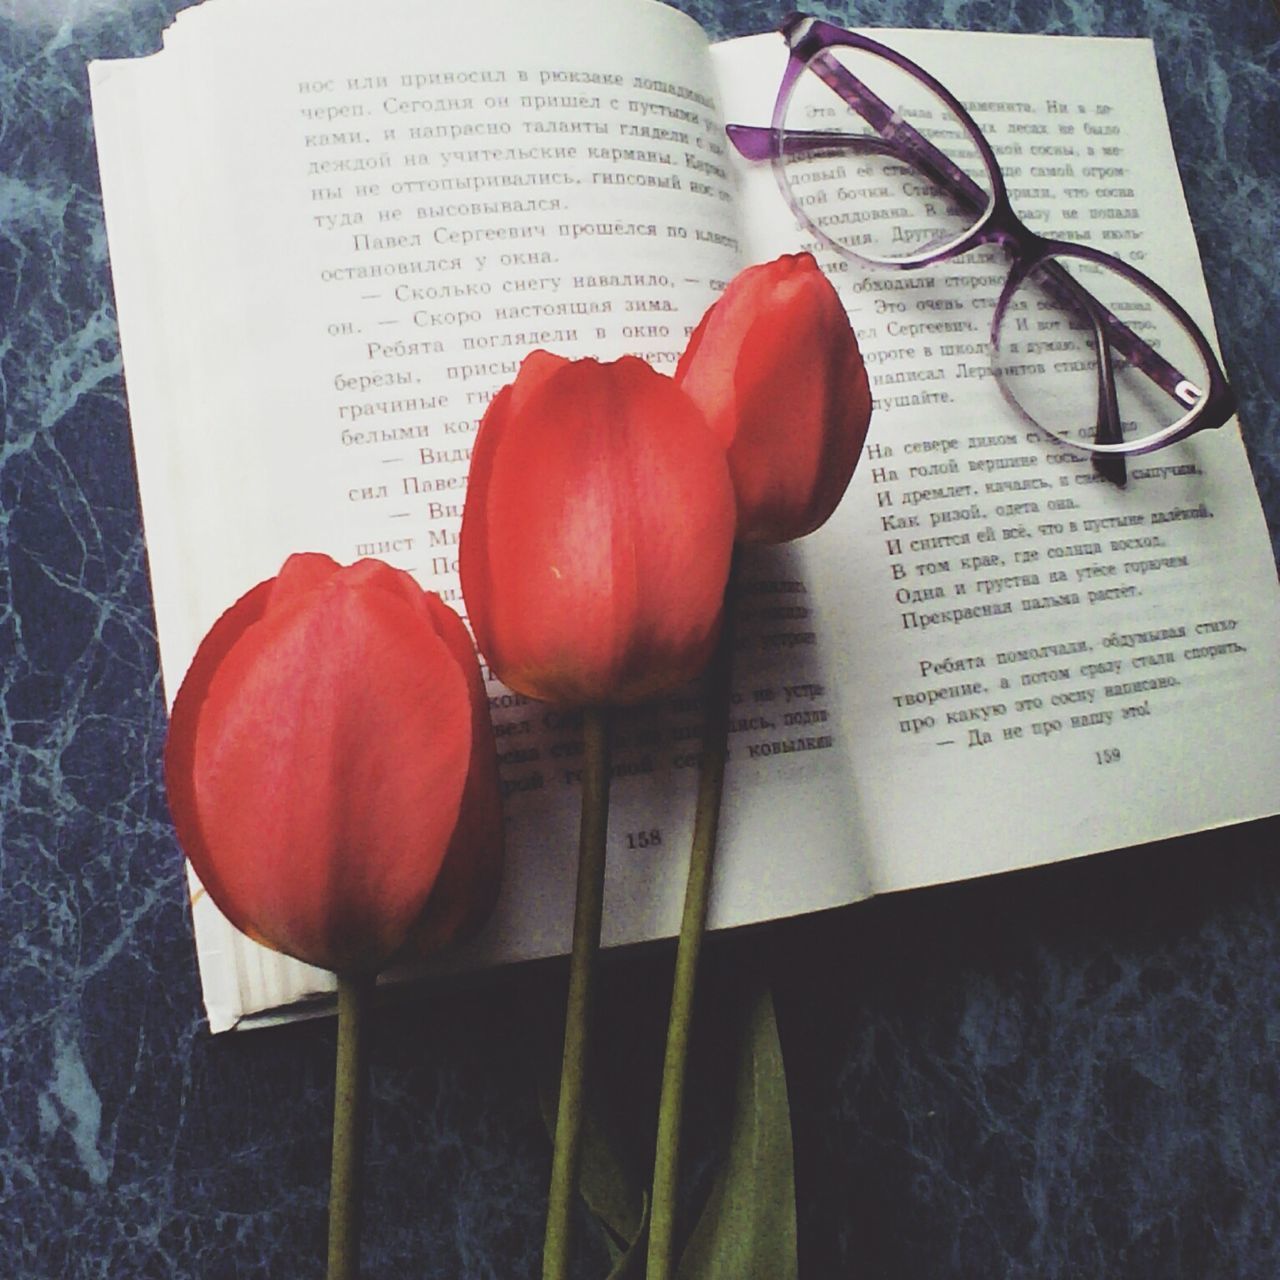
x=1108 y=755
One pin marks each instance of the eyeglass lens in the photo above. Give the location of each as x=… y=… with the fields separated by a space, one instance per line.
x=1058 y=322
x=859 y=179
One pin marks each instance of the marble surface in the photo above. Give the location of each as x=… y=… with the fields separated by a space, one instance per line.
x=1064 y=1073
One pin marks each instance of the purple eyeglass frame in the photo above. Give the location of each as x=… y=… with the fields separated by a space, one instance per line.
x=808 y=39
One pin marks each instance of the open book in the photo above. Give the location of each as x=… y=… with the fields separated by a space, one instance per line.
x=335 y=230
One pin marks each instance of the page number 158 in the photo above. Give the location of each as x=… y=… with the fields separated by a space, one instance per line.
x=644 y=839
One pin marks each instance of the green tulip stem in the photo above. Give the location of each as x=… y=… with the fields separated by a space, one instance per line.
x=587 y=915
x=715 y=738
x=355 y=992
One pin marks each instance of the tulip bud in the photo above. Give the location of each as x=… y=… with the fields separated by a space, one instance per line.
x=330 y=762
x=597 y=533
x=774 y=366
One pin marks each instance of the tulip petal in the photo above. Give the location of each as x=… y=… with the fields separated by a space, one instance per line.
x=707 y=367
x=775 y=367
x=473 y=569
x=180 y=744
x=802 y=419
x=535 y=369
x=302 y=572
x=318 y=762
x=607 y=518
x=473 y=539
x=466 y=889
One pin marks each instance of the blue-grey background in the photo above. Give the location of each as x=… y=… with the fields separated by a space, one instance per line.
x=1064 y=1073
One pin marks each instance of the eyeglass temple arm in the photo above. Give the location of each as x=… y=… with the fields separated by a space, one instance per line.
x=1109 y=428
x=756 y=142
x=901 y=139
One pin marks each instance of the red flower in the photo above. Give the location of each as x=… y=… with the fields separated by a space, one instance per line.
x=775 y=367
x=597 y=533
x=330 y=766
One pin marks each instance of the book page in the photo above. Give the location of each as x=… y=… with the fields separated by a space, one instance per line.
x=334 y=232
x=1033 y=663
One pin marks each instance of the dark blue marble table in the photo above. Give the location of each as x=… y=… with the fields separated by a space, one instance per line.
x=1064 y=1073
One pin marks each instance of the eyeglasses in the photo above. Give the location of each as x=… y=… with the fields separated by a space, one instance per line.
x=882 y=164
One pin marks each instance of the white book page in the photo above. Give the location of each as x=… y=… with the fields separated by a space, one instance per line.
x=334 y=233
x=1031 y=663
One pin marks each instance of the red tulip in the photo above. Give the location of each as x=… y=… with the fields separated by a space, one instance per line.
x=330 y=766
x=775 y=367
x=597 y=533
